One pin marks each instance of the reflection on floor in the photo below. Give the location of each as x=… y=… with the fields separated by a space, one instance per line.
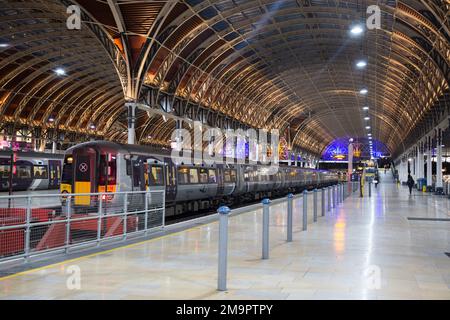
x=364 y=249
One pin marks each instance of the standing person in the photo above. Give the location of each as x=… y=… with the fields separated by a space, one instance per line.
x=410 y=183
x=376 y=179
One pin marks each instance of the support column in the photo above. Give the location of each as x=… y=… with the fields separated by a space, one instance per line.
x=439 y=182
x=53 y=146
x=429 y=165
x=131 y=109
x=420 y=161
x=350 y=166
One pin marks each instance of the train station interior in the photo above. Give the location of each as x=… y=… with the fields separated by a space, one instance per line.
x=225 y=150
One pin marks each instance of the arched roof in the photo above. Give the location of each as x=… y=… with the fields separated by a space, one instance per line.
x=287 y=64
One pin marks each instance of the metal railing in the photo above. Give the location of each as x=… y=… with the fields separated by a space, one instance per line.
x=330 y=198
x=33 y=225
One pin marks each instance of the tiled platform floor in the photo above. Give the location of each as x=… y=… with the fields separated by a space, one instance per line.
x=364 y=249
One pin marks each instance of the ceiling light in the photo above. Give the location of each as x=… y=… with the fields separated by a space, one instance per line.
x=357 y=29
x=369 y=134
x=363 y=91
x=361 y=64
x=4 y=45
x=60 y=71
x=368 y=127
x=51 y=119
x=367 y=118
x=92 y=126
x=365 y=108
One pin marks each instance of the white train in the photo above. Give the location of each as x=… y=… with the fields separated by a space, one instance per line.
x=102 y=166
x=30 y=171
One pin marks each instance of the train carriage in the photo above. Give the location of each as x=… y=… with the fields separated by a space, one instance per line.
x=30 y=171
x=102 y=166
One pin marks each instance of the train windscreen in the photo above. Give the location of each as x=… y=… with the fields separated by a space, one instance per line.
x=67 y=172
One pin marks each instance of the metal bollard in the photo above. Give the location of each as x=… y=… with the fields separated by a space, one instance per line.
x=290 y=197
x=334 y=196
x=125 y=216
x=305 y=210
x=27 y=229
x=323 y=202
x=329 y=198
x=315 y=205
x=99 y=220
x=370 y=189
x=223 y=248
x=338 y=200
x=68 y=215
x=336 y=192
x=265 y=240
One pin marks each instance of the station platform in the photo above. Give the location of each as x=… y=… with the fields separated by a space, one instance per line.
x=366 y=248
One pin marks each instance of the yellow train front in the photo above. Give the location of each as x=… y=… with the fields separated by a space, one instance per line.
x=107 y=167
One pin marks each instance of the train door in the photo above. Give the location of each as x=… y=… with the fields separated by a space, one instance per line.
x=54 y=173
x=107 y=173
x=171 y=180
x=220 y=184
x=84 y=178
x=138 y=175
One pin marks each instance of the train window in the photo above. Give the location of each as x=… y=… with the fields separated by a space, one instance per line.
x=183 y=175
x=171 y=176
x=157 y=176
x=128 y=167
x=212 y=178
x=136 y=173
x=146 y=174
x=193 y=175
x=227 y=177
x=107 y=172
x=233 y=175
x=230 y=175
x=203 y=175
x=4 y=171
x=24 y=172
x=40 y=172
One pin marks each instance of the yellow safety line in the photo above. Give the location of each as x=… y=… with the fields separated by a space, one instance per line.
x=101 y=252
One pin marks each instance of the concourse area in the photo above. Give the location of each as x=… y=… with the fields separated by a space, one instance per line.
x=389 y=246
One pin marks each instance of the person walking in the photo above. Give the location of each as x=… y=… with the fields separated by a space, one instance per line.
x=376 y=179
x=410 y=183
